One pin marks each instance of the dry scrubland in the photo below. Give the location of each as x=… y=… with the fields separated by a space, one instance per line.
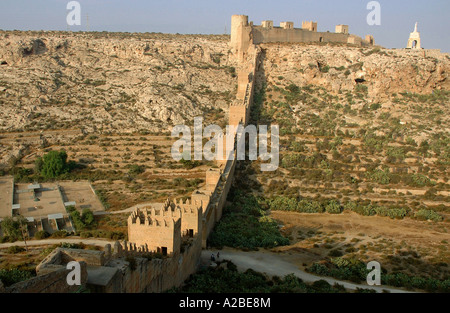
x=110 y=101
x=111 y=82
x=369 y=129
x=360 y=126
x=351 y=131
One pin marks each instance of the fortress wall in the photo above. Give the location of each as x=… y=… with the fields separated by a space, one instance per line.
x=296 y=35
x=208 y=222
x=160 y=275
x=237 y=114
x=242 y=84
x=202 y=198
x=226 y=189
x=212 y=179
x=191 y=219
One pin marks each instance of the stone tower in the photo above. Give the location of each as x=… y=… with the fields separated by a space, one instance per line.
x=311 y=26
x=342 y=29
x=414 y=40
x=156 y=230
x=241 y=37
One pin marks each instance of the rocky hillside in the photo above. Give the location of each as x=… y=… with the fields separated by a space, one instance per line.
x=111 y=82
x=366 y=85
x=365 y=126
x=339 y=69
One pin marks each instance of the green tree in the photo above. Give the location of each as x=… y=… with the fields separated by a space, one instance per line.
x=53 y=164
x=15 y=228
x=88 y=217
x=10 y=277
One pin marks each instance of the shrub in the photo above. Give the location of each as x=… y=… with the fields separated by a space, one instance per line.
x=283 y=204
x=393 y=213
x=188 y=164
x=361 y=88
x=15 y=249
x=420 y=180
x=82 y=221
x=325 y=69
x=309 y=206
x=12 y=227
x=42 y=234
x=333 y=207
x=380 y=176
x=136 y=170
x=67 y=245
x=13 y=276
x=60 y=234
x=335 y=253
x=424 y=214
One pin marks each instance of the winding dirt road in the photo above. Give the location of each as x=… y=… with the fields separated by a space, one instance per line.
x=274 y=264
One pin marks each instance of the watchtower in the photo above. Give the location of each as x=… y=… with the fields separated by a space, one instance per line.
x=342 y=29
x=191 y=219
x=267 y=24
x=311 y=26
x=241 y=31
x=287 y=25
x=157 y=230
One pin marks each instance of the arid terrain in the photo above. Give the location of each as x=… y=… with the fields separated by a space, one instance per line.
x=367 y=128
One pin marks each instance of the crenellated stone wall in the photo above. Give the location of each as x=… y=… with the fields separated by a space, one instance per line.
x=244 y=34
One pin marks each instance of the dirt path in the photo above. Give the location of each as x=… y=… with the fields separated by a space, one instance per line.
x=275 y=264
x=131 y=209
x=95 y=242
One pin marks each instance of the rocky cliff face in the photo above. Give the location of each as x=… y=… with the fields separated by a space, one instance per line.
x=134 y=82
x=111 y=82
x=340 y=69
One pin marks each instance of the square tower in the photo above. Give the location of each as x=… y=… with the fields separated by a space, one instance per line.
x=311 y=26
x=156 y=230
x=287 y=25
x=342 y=29
x=370 y=40
x=267 y=24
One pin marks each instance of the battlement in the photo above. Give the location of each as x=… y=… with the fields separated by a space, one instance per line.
x=149 y=216
x=237 y=103
x=267 y=24
x=342 y=29
x=309 y=25
x=245 y=34
x=287 y=25
x=156 y=229
x=189 y=206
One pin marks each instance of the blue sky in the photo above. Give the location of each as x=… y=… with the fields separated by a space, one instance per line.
x=213 y=16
